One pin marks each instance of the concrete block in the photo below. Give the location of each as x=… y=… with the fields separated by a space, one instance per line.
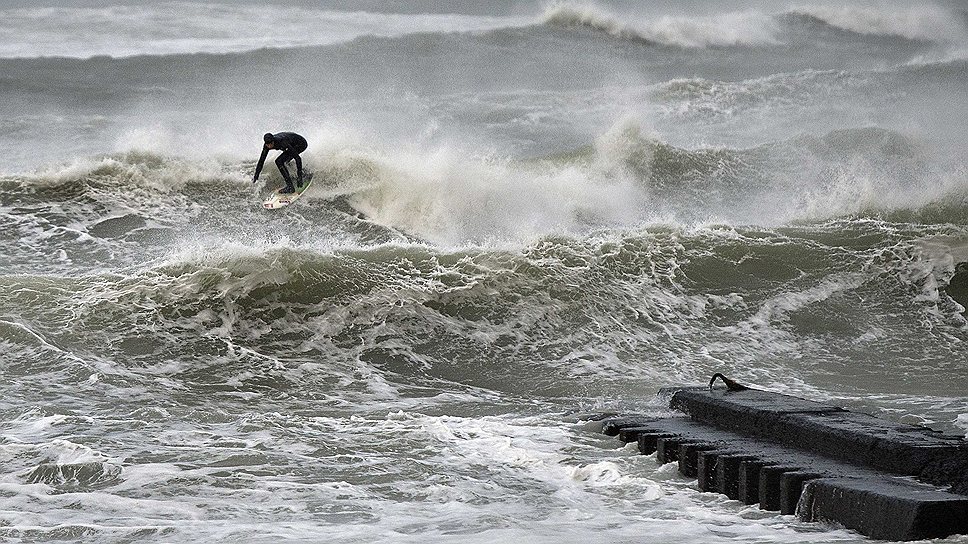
x=648 y=442
x=727 y=474
x=888 y=511
x=689 y=457
x=791 y=489
x=769 y=480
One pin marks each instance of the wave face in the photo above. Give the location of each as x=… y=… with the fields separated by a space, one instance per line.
x=519 y=210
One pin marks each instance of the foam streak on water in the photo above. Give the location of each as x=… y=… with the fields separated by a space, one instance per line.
x=519 y=211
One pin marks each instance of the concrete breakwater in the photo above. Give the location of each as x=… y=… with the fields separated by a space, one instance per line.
x=818 y=461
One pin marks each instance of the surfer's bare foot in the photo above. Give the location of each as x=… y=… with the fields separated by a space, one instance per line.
x=287 y=189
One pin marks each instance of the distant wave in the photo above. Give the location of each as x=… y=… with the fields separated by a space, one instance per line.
x=166 y=28
x=730 y=29
x=751 y=28
x=914 y=22
x=184 y=27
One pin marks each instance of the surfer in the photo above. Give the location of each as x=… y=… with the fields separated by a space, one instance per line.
x=291 y=145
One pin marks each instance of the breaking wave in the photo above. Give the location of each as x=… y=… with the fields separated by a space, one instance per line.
x=625 y=178
x=925 y=22
x=752 y=28
x=731 y=29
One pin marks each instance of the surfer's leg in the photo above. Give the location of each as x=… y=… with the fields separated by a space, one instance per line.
x=281 y=161
x=300 y=147
x=299 y=172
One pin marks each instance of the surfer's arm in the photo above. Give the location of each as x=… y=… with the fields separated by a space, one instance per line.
x=262 y=161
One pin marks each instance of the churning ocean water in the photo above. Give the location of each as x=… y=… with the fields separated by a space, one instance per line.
x=521 y=210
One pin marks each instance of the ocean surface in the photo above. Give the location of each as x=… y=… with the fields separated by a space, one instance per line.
x=521 y=210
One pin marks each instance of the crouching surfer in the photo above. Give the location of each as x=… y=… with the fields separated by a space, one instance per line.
x=291 y=145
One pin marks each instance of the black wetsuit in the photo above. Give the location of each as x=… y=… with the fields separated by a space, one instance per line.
x=291 y=145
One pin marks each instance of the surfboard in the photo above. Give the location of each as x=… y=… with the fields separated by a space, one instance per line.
x=278 y=200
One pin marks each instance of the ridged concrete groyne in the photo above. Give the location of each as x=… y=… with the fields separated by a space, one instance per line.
x=885 y=480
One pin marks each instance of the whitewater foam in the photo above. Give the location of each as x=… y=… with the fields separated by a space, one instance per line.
x=448 y=198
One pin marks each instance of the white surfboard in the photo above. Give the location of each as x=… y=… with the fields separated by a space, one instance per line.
x=278 y=200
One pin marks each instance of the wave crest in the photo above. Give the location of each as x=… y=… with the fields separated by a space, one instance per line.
x=916 y=22
x=729 y=29
x=131 y=169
